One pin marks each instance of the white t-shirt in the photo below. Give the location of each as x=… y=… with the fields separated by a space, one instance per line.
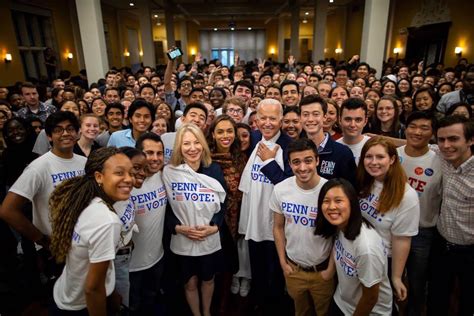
x=126 y=212
x=361 y=262
x=355 y=148
x=399 y=221
x=95 y=239
x=168 y=144
x=150 y=206
x=425 y=176
x=256 y=218
x=39 y=179
x=300 y=208
x=194 y=198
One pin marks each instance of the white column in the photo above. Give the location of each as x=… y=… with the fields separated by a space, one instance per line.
x=374 y=33
x=146 y=32
x=281 y=39
x=319 y=29
x=295 y=31
x=169 y=24
x=91 y=27
x=183 y=35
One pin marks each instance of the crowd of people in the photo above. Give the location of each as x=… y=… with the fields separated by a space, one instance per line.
x=306 y=189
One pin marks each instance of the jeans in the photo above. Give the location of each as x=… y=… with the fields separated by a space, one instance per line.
x=449 y=262
x=418 y=265
x=122 y=281
x=144 y=289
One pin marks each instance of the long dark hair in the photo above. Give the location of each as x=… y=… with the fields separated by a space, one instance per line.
x=72 y=196
x=235 y=147
x=352 y=230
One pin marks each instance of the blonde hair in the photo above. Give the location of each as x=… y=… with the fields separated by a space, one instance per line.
x=177 y=156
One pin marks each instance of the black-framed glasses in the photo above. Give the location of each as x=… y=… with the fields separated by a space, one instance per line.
x=60 y=130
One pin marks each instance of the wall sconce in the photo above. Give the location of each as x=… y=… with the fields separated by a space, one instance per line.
x=126 y=54
x=70 y=56
x=272 y=50
x=8 y=58
x=397 y=51
x=325 y=50
x=140 y=53
x=193 y=51
x=458 y=51
x=338 y=50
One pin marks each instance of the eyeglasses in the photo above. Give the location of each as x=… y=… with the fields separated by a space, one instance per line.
x=186 y=85
x=235 y=111
x=60 y=130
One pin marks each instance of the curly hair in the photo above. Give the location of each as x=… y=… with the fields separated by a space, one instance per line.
x=72 y=196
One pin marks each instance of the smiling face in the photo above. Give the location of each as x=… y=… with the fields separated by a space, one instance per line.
x=196 y=116
x=290 y=95
x=141 y=120
x=63 y=137
x=331 y=117
x=71 y=106
x=418 y=133
x=90 y=128
x=244 y=137
x=339 y=95
x=389 y=88
x=16 y=132
x=191 y=149
x=115 y=118
x=336 y=207
x=224 y=135
x=159 y=126
x=216 y=98
x=377 y=162
x=269 y=120
x=154 y=155
x=98 y=107
x=385 y=111
x=423 y=101
x=352 y=122
x=312 y=118
x=303 y=164
x=292 y=125
x=139 y=165
x=454 y=146
x=116 y=177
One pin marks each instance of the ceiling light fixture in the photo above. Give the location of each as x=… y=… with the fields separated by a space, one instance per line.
x=215 y=29
x=306 y=13
x=249 y=28
x=305 y=21
x=155 y=16
x=131 y=4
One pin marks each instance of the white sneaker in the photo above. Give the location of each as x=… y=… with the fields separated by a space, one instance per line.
x=245 y=287
x=235 y=286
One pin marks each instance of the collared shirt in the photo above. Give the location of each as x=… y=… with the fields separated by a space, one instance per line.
x=170 y=99
x=122 y=138
x=323 y=143
x=456 y=220
x=43 y=112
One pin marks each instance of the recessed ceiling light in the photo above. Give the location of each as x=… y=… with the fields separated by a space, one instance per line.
x=306 y=13
x=232 y=28
x=331 y=1
x=305 y=21
x=158 y=23
x=249 y=28
x=132 y=4
x=155 y=16
x=215 y=29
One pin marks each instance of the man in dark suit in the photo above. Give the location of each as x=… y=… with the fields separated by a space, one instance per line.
x=267 y=166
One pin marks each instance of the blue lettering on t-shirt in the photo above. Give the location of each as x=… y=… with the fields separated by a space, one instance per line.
x=189 y=191
x=257 y=176
x=345 y=259
x=300 y=214
x=369 y=206
x=61 y=176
